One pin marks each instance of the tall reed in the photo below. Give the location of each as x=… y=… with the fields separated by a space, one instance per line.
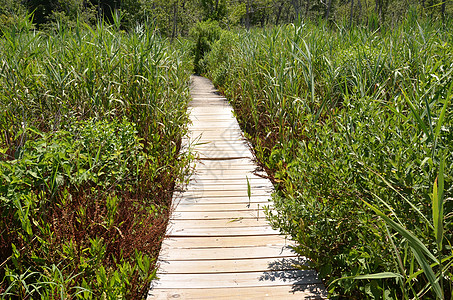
x=338 y=116
x=91 y=122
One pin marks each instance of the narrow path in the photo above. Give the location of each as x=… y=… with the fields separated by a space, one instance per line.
x=219 y=244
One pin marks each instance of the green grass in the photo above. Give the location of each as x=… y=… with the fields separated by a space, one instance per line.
x=353 y=127
x=91 y=122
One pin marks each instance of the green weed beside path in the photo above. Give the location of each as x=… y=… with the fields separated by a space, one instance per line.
x=91 y=122
x=352 y=125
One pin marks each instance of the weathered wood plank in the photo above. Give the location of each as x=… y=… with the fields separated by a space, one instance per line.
x=217 y=223
x=241 y=185
x=222 y=200
x=227 y=253
x=219 y=231
x=231 y=280
x=226 y=193
x=247 y=173
x=218 y=215
x=222 y=207
x=311 y=291
x=228 y=266
x=220 y=242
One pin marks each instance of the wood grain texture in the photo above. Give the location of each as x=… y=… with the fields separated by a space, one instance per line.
x=232 y=280
x=224 y=241
x=228 y=266
x=218 y=243
x=308 y=292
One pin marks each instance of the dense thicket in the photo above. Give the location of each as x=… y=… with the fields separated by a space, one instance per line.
x=91 y=122
x=176 y=17
x=355 y=129
x=352 y=118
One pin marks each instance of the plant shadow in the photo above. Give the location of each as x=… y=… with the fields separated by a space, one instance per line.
x=296 y=270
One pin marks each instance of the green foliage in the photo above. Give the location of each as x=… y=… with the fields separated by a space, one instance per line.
x=221 y=51
x=203 y=34
x=214 y=9
x=343 y=117
x=13 y=16
x=91 y=124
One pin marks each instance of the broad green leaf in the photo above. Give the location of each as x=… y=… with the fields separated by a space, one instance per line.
x=381 y=275
x=420 y=122
x=418 y=249
x=414 y=242
x=438 y=206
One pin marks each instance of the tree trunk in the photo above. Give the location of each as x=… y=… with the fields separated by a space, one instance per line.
x=296 y=6
x=216 y=8
x=175 y=20
x=329 y=5
x=352 y=12
x=279 y=13
x=247 y=14
x=359 y=4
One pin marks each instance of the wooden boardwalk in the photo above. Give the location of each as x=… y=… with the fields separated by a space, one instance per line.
x=219 y=244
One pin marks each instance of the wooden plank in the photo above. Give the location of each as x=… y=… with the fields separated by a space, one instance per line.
x=215 y=186
x=226 y=164
x=213 y=215
x=220 y=242
x=223 y=155
x=226 y=193
x=229 y=180
x=227 y=253
x=220 y=149
x=219 y=200
x=254 y=206
x=311 y=291
x=248 y=173
x=218 y=231
x=216 y=131
x=217 y=223
x=209 y=123
x=226 y=177
x=223 y=110
x=209 y=206
x=227 y=266
x=242 y=184
x=211 y=118
x=223 y=194
x=223 y=144
x=231 y=280
x=226 y=127
x=222 y=187
x=218 y=135
x=228 y=185
x=196 y=180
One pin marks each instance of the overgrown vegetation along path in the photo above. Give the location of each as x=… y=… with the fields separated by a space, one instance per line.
x=219 y=244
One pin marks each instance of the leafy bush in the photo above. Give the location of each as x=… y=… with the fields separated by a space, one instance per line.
x=91 y=124
x=204 y=34
x=67 y=198
x=342 y=118
x=219 y=55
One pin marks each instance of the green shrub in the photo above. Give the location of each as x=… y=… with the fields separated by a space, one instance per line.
x=63 y=201
x=91 y=122
x=341 y=118
x=203 y=34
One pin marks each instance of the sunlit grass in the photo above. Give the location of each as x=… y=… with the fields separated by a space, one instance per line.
x=338 y=116
x=91 y=122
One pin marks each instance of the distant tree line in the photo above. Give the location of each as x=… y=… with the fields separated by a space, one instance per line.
x=176 y=17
